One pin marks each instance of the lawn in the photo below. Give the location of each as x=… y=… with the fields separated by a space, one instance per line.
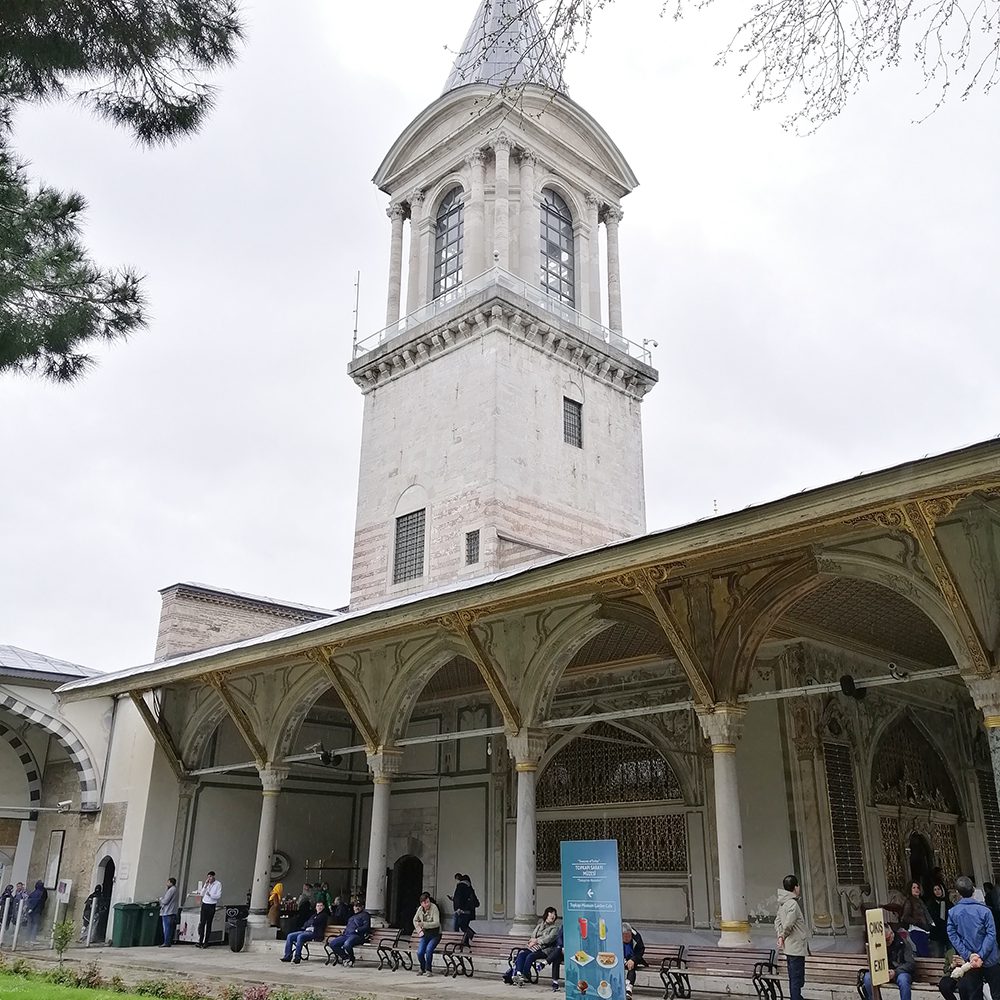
x=31 y=989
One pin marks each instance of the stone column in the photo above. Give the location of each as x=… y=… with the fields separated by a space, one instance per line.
x=475 y=218
x=413 y=291
x=384 y=766
x=501 y=201
x=985 y=693
x=185 y=800
x=612 y=216
x=396 y=214
x=723 y=726
x=529 y=266
x=271 y=779
x=526 y=749
x=593 y=309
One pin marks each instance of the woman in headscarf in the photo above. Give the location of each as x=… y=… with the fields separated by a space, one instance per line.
x=274 y=904
x=34 y=907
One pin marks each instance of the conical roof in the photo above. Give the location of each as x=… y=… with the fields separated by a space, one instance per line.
x=506 y=47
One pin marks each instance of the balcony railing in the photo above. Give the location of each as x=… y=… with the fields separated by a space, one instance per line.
x=504 y=279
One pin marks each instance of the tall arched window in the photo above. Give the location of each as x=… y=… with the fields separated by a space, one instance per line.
x=557 y=248
x=449 y=228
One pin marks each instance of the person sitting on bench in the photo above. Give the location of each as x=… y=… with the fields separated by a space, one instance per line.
x=902 y=962
x=358 y=928
x=542 y=939
x=632 y=949
x=555 y=957
x=315 y=930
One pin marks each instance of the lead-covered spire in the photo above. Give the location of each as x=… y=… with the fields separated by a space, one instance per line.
x=506 y=46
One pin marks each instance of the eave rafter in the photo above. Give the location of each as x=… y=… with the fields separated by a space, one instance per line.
x=324 y=657
x=160 y=734
x=240 y=719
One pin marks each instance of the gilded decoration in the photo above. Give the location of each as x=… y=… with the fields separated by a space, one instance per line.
x=607 y=767
x=945 y=844
x=909 y=772
x=891 y=852
x=645 y=843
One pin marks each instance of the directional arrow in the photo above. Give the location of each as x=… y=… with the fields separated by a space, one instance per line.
x=590 y=893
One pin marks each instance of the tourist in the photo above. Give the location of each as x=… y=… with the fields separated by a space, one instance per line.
x=15 y=902
x=315 y=930
x=210 y=892
x=974 y=936
x=341 y=911
x=902 y=962
x=793 y=934
x=948 y=985
x=358 y=927
x=34 y=907
x=916 y=918
x=632 y=950
x=555 y=957
x=991 y=897
x=542 y=939
x=6 y=901
x=938 y=908
x=274 y=904
x=427 y=924
x=321 y=894
x=305 y=907
x=464 y=902
x=168 y=912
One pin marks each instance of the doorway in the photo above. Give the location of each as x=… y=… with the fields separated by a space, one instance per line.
x=106 y=877
x=407 y=884
x=921 y=862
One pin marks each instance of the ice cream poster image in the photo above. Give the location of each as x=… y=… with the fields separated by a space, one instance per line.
x=592 y=931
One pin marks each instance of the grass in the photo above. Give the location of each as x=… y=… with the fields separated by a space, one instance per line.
x=19 y=988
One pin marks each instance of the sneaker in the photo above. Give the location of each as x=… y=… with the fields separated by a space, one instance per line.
x=429 y=973
x=518 y=979
x=296 y=961
x=420 y=972
x=555 y=985
x=349 y=962
x=286 y=959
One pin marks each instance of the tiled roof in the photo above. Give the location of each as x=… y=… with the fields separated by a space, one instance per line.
x=37 y=665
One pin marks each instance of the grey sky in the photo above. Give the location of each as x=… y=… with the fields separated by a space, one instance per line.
x=823 y=305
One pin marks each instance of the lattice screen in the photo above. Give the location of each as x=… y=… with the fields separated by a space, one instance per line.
x=645 y=843
x=844 y=814
x=991 y=816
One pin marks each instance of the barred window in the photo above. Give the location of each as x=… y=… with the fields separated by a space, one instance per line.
x=645 y=843
x=408 y=560
x=471 y=547
x=844 y=814
x=449 y=228
x=572 y=422
x=557 y=248
x=991 y=816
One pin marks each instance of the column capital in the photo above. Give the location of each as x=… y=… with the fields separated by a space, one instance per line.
x=273 y=777
x=502 y=141
x=476 y=157
x=528 y=158
x=527 y=748
x=385 y=764
x=985 y=693
x=613 y=214
x=591 y=200
x=396 y=211
x=723 y=726
x=416 y=200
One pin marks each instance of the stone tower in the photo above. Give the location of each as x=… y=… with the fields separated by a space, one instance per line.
x=501 y=418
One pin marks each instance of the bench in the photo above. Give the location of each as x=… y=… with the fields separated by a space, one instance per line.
x=839 y=969
x=724 y=964
x=395 y=950
x=332 y=930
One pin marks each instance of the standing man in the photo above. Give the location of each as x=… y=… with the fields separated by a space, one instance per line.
x=168 y=912
x=211 y=893
x=793 y=934
x=974 y=935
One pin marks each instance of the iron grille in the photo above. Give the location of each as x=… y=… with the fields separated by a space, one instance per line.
x=471 y=547
x=844 y=814
x=991 y=816
x=572 y=422
x=408 y=561
x=645 y=843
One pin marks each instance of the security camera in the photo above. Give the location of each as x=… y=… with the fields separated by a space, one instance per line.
x=315 y=747
x=65 y=805
x=647 y=342
x=898 y=672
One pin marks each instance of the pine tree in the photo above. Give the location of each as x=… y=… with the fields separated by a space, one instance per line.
x=137 y=63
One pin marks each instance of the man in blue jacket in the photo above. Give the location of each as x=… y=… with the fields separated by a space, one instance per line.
x=314 y=930
x=974 y=936
x=356 y=932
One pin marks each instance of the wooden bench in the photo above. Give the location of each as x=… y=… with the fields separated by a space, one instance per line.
x=834 y=969
x=722 y=964
x=332 y=930
x=395 y=950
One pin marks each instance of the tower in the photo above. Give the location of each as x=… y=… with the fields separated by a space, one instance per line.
x=501 y=418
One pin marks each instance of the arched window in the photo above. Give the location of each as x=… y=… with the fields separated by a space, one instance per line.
x=449 y=228
x=557 y=248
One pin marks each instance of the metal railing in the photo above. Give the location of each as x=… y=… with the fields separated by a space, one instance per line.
x=497 y=276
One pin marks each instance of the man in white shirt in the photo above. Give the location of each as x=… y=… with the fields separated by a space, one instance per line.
x=211 y=893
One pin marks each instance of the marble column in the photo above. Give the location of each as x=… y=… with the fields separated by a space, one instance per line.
x=593 y=306
x=271 y=779
x=413 y=297
x=612 y=216
x=384 y=766
x=396 y=214
x=723 y=726
x=475 y=218
x=529 y=266
x=526 y=749
x=186 y=790
x=501 y=201
x=985 y=693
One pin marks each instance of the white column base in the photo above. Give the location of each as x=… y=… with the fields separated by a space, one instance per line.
x=737 y=936
x=523 y=926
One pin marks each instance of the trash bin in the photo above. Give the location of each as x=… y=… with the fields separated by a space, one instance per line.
x=150 y=926
x=125 y=933
x=236 y=926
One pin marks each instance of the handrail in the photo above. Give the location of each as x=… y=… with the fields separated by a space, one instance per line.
x=503 y=278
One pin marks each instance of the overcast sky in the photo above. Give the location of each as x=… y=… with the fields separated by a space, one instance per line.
x=824 y=306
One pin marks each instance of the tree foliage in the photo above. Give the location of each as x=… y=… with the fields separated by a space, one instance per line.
x=136 y=63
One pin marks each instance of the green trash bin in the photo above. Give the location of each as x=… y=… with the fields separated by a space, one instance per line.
x=125 y=933
x=150 y=925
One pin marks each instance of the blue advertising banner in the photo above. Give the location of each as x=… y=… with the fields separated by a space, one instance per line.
x=592 y=930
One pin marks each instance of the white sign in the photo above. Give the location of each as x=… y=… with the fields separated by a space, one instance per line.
x=63 y=888
x=878 y=953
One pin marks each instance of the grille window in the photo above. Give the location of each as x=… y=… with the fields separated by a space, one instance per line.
x=557 y=248
x=991 y=816
x=408 y=561
x=572 y=422
x=471 y=547
x=449 y=229
x=844 y=814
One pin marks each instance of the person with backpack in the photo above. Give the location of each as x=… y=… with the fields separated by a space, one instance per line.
x=465 y=901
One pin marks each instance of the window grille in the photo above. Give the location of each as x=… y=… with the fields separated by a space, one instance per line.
x=408 y=561
x=449 y=229
x=844 y=814
x=557 y=248
x=572 y=422
x=909 y=772
x=645 y=843
x=991 y=816
x=471 y=547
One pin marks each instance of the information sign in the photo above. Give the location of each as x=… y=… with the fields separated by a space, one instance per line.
x=592 y=930
x=63 y=888
x=878 y=954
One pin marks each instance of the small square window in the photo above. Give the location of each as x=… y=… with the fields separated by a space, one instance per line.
x=572 y=422
x=471 y=547
x=408 y=559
